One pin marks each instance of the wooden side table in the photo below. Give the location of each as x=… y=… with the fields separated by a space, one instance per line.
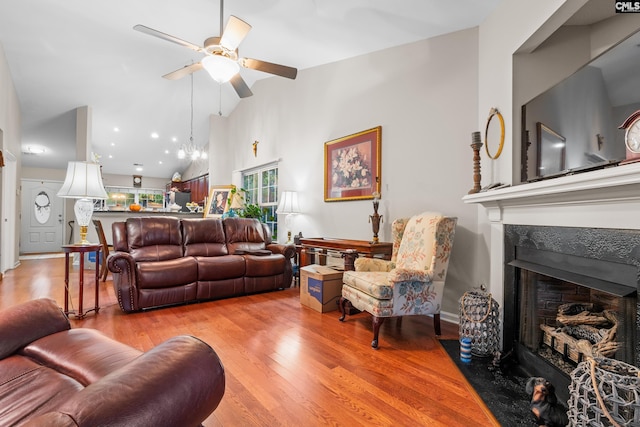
x=81 y=249
x=350 y=249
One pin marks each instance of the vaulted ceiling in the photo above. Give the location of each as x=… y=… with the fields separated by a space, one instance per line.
x=65 y=54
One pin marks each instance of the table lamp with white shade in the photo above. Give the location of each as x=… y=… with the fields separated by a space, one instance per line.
x=289 y=206
x=83 y=182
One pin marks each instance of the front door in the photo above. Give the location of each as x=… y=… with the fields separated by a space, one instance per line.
x=42 y=217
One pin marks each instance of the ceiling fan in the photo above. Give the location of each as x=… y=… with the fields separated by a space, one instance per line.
x=221 y=58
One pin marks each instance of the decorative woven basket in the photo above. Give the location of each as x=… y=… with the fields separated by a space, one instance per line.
x=479 y=321
x=604 y=392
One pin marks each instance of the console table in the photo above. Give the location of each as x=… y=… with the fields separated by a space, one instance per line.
x=81 y=249
x=350 y=249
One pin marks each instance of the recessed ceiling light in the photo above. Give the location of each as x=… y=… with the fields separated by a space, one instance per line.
x=31 y=149
x=174 y=139
x=166 y=151
x=110 y=156
x=155 y=135
x=160 y=162
x=113 y=144
x=116 y=129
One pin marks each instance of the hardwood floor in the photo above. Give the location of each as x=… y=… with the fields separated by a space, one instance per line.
x=287 y=365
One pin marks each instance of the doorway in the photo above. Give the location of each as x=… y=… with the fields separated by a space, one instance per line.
x=42 y=217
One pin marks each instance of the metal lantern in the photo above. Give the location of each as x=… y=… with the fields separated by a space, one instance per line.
x=604 y=392
x=479 y=320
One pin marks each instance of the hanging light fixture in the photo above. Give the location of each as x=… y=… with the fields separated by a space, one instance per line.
x=220 y=68
x=191 y=149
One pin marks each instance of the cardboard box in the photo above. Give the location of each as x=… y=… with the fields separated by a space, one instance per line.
x=320 y=287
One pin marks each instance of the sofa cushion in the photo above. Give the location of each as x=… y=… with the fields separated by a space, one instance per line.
x=220 y=268
x=28 y=389
x=204 y=237
x=269 y=265
x=245 y=234
x=165 y=274
x=20 y=324
x=85 y=355
x=154 y=238
x=373 y=283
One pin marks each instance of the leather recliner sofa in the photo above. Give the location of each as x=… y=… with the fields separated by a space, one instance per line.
x=161 y=261
x=52 y=375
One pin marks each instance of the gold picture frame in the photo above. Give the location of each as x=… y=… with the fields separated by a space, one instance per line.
x=218 y=202
x=352 y=166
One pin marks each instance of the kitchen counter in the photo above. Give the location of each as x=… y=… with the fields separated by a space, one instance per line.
x=109 y=217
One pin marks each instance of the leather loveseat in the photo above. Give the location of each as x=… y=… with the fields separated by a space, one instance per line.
x=161 y=261
x=52 y=375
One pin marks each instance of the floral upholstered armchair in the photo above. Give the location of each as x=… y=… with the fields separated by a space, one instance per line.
x=412 y=282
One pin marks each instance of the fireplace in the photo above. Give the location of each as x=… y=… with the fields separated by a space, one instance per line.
x=551 y=266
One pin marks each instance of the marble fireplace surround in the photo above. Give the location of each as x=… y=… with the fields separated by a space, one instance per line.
x=602 y=199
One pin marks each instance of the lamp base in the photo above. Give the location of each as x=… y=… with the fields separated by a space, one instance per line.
x=83 y=209
x=83 y=236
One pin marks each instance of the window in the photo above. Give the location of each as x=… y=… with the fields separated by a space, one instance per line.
x=261 y=188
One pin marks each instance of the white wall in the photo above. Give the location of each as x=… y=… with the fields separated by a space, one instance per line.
x=517 y=28
x=10 y=123
x=424 y=95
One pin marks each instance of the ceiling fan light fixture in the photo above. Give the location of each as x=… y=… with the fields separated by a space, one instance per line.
x=220 y=68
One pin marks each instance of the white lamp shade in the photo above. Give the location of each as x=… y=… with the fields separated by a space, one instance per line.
x=237 y=202
x=288 y=203
x=220 y=68
x=83 y=180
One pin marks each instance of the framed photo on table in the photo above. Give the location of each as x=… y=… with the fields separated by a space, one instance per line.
x=352 y=166
x=219 y=201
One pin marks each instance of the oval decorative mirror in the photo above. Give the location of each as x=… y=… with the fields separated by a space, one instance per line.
x=494 y=131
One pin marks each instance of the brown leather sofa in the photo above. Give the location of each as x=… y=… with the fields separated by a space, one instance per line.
x=160 y=261
x=52 y=375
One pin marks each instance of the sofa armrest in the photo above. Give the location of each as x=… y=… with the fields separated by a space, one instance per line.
x=409 y=275
x=373 y=264
x=178 y=383
x=289 y=251
x=25 y=323
x=123 y=268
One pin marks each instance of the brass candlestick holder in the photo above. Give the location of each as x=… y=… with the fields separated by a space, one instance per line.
x=476 y=145
x=376 y=218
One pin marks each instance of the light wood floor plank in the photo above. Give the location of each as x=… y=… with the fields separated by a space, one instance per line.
x=285 y=364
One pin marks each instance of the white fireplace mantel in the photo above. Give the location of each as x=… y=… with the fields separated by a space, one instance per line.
x=606 y=198
x=602 y=198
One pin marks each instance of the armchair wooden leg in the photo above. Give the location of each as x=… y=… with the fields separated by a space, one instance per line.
x=343 y=309
x=377 y=321
x=436 y=323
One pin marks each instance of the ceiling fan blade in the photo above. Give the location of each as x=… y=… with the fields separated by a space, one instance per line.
x=240 y=86
x=268 y=67
x=235 y=31
x=164 y=36
x=184 y=71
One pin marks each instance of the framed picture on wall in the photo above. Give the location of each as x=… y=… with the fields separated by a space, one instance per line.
x=218 y=202
x=352 y=166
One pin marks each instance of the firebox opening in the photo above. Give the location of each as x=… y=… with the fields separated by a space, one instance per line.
x=564 y=323
x=574 y=269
